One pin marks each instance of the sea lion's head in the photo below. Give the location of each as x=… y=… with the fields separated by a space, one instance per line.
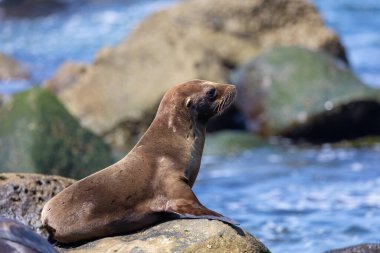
x=202 y=99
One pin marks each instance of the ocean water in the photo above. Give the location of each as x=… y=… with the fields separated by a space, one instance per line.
x=297 y=200
x=358 y=25
x=77 y=33
x=294 y=200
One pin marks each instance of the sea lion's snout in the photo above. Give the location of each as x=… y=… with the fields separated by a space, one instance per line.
x=231 y=88
x=227 y=96
x=231 y=91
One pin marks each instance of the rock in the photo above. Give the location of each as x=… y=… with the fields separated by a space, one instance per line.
x=65 y=76
x=17 y=237
x=193 y=39
x=362 y=248
x=185 y=236
x=11 y=69
x=361 y=142
x=231 y=119
x=285 y=89
x=29 y=8
x=229 y=142
x=357 y=121
x=37 y=134
x=23 y=195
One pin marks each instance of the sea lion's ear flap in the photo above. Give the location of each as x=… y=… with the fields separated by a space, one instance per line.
x=188 y=102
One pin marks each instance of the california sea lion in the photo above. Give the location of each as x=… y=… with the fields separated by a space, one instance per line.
x=154 y=179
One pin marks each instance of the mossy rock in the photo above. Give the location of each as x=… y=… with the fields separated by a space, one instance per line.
x=287 y=86
x=38 y=135
x=192 y=39
x=363 y=142
x=231 y=142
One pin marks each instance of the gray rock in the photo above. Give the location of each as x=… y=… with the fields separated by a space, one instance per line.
x=117 y=94
x=185 y=236
x=10 y=69
x=16 y=237
x=23 y=195
x=66 y=75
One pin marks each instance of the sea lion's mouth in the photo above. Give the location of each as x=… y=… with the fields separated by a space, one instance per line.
x=226 y=100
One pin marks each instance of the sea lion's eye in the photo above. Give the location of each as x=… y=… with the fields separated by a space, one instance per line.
x=211 y=94
x=188 y=102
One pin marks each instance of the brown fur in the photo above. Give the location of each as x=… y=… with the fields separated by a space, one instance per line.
x=154 y=178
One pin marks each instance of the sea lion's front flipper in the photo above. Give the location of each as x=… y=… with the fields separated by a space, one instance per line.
x=188 y=206
x=193 y=210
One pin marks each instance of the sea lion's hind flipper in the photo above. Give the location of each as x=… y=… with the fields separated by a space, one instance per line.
x=194 y=210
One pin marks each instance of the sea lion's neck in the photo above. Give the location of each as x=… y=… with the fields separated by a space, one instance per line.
x=186 y=134
x=197 y=135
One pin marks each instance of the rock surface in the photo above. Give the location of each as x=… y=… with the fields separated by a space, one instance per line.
x=66 y=75
x=17 y=237
x=194 y=39
x=11 y=69
x=357 y=121
x=37 y=134
x=287 y=87
x=185 y=236
x=23 y=195
x=362 y=248
x=229 y=142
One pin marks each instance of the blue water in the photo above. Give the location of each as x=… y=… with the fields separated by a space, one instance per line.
x=358 y=25
x=294 y=200
x=77 y=33
x=298 y=200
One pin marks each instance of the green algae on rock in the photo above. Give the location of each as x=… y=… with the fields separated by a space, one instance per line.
x=285 y=87
x=229 y=142
x=37 y=134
